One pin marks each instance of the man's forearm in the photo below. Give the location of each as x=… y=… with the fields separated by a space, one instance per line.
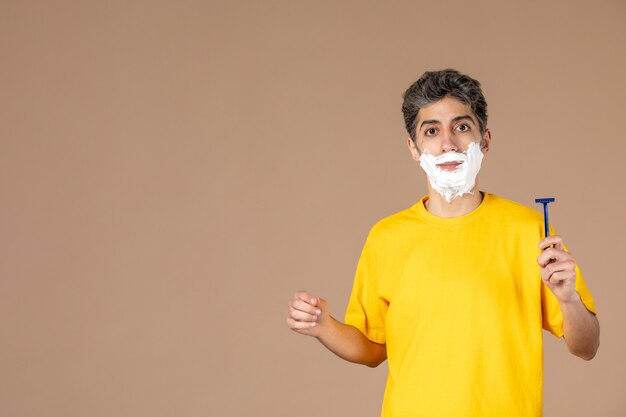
x=581 y=329
x=350 y=344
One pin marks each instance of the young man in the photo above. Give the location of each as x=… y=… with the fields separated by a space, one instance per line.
x=454 y=291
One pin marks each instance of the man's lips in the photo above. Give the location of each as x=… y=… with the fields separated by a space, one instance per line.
x=449 y=166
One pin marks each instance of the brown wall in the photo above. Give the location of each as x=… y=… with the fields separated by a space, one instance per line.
x=171 y=171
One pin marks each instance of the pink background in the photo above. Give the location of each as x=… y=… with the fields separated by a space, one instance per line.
x=171 y=171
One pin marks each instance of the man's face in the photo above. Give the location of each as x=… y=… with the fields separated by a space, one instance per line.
x=446 y=125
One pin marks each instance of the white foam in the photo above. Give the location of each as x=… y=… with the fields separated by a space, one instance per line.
x=453 y=184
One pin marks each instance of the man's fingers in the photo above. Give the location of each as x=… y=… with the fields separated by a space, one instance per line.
x=300 y=325
x=559 y=271
x=547 y=256
x=301 y=305
x=307 y=297
x=306 y=312
x=556 y=241
x=301 y=315
x=562 y=265
x=551 y=255
x=559 y=276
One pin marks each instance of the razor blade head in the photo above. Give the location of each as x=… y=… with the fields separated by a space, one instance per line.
x=544 y=200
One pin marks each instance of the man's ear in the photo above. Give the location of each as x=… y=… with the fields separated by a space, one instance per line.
x=415 y=154
x=486 y=141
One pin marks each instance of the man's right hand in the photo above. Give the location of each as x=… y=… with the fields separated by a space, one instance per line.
x=307 y=313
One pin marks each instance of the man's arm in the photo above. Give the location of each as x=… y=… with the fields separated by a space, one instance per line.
x=581 y=329
x=308 y=315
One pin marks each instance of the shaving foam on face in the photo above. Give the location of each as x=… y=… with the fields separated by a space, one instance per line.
x=453 y=184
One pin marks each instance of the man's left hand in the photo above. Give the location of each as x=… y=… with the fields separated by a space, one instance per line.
x=558 y=269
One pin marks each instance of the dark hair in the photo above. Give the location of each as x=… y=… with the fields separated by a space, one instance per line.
x=432 y=86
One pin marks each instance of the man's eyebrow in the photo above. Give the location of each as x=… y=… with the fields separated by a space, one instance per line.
x=454 y=120
x=463 y=117
x=429 y=122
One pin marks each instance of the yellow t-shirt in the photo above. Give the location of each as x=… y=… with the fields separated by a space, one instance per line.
x=460 y=304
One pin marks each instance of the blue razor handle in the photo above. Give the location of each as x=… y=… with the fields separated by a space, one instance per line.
x=545 y=202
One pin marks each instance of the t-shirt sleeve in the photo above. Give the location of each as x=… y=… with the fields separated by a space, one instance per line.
x=366 y=309
x=552 y=316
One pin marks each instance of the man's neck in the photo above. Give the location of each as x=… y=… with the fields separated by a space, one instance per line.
x=460 y=206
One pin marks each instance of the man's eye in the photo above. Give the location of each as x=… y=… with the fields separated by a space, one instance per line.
x=463 y=128
x=431 y=131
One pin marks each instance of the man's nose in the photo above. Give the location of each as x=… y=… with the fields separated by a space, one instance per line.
x=448 y=142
